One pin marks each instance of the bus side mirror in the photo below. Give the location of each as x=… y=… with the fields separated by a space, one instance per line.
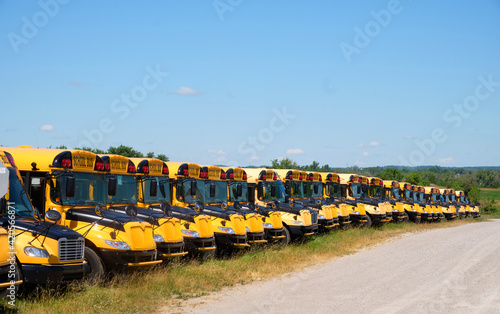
x=153 y=188
x=239 y=190
x=273 y=191
x=112 y=183
x=52 y=215
x=212 y=189
x=70 y=186
x=194 y=186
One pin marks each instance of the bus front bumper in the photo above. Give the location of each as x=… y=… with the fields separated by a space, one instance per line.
x=47 y=273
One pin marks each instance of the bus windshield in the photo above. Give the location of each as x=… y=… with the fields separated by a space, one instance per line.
x=296 y=189
x=435 y=197
x=18 y=199
x=220 y=191
x=90 y=189
x=233 y=191
x=264 y=191
x=375 y=191
x=333 y=189
x=313 y=189
x=184 y=191
x=407 y=194
x=395 y=193
x=126 y=190
x=356 y=189
x=163 y=192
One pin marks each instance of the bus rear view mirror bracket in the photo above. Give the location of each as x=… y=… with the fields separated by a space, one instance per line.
x=194 y=186
x=212 y=189
x=112 y=183
x=153 y=188
x=70 y=186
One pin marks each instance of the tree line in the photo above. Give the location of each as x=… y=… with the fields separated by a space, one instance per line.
x=123 y=150
x=467 y=180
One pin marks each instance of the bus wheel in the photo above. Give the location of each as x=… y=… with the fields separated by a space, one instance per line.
x=287 y=239
x=17 y=276
x=368 y=224
x=406 y=219
x=95 y=270
x=418 y=220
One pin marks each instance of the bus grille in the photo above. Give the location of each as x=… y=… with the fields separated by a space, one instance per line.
x=314 y=217
x=71 y=249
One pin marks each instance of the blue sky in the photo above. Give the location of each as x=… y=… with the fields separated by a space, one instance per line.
x=241 y=82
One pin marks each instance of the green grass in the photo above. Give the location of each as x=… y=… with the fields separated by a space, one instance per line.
x=168 y=285
x=490 y=198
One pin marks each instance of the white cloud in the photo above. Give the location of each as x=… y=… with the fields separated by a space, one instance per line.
x=445 y=160
x=47 y=127
x=186 y=91
x=373 y=143
x=221 y=158
x=216 y=152
x=359 y=163
x=365 y=154
x=409 y=137
x=294 y=151
x=254 y=158
x=361 y=145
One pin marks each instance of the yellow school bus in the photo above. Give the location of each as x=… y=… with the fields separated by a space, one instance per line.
x=333 y=196
x=204 y=190
x=300 y=190
x=401 y=210
x=74 y=183
x=432 y=196
x=129 y=190
x=463 y=204
x=448 y=204
x=376 y=209
x=409 y=200
x=394 y=212
x=350 y=186
x=257 y=219
x=45 y=252
x=313 y=197
x=269 y=193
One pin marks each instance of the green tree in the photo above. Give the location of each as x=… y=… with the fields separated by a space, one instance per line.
x=150 y=155
x=474 y=194
x=413 y=178
x=126 y=151
x=485 y=178
x=162 y=157
x=285 y=163
x=61 y=147
x=390 y=174
x=93 y=150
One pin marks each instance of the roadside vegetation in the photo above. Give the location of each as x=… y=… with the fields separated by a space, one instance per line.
x=167 y=285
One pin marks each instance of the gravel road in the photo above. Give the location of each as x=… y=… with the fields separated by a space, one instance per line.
x=449 y=270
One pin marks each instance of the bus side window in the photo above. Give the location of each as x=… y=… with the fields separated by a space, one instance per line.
x=343 y=191
x=260 y=190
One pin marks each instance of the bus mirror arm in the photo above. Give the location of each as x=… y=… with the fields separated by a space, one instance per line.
x=112 y=183
x=70 y=186
x=153 y=188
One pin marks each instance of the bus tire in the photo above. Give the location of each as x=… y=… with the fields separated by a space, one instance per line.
x=418 y=220
x=95 y=266
x=406 y=219
x=368 y=224
x=287 y=239
x=17 y=276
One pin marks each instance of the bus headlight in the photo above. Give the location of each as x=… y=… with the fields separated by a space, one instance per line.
x=191 y=233
x=297 y=222
x=35 y=252
x=158 y=238
x=247 y=229
x=118 y=244
x=226 y=230
x=267 y=225
x=355 y=212
x=395 y=210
